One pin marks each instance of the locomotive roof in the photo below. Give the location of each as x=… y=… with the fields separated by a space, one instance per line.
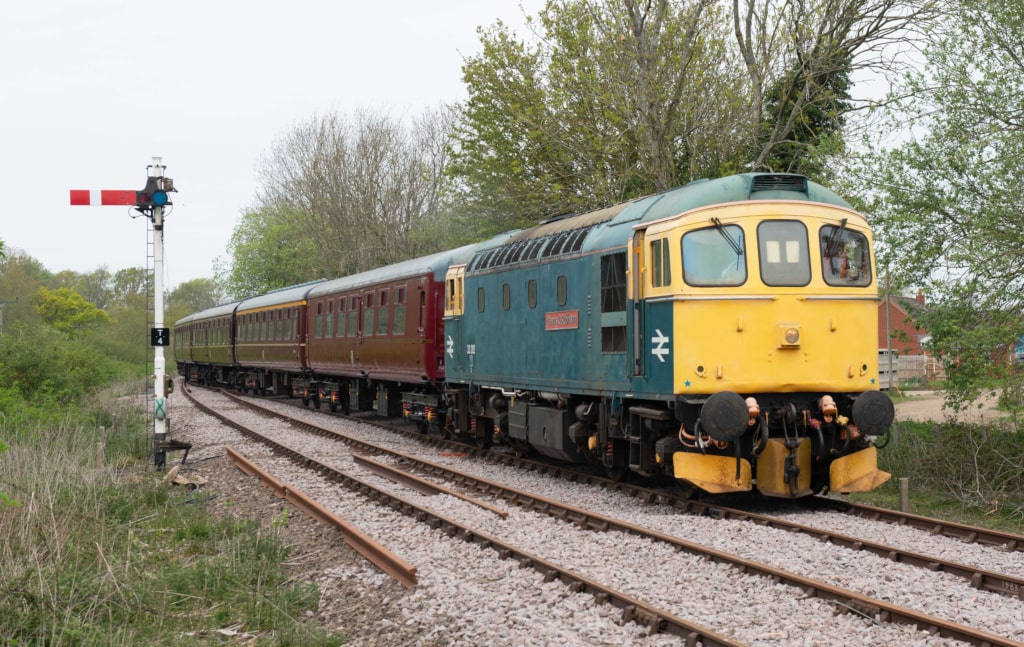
x=597 y=230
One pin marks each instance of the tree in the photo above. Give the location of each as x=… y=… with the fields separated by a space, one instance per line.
x=195 y=295
x=270 y=248
x=799 y=57
x=348 y=195
x=68 y=312
x=947 y=202
x=615 y=99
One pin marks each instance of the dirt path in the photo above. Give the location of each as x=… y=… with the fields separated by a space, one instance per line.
x=927 y=405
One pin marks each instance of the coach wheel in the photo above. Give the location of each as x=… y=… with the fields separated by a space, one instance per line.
x=316 y=402
x=305 y=402
x=333 y=406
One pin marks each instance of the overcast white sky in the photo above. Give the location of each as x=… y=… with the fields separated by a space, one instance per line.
x=91 y=91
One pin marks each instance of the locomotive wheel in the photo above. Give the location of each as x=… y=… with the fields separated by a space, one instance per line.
x=305 y=402
x=617 y=474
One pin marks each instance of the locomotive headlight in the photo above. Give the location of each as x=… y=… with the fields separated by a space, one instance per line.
x=789 y=335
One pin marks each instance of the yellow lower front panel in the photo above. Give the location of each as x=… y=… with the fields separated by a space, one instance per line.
x=771 y=469
x=714 y=474
x=857 y=472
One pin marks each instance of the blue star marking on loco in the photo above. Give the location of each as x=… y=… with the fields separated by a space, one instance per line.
x=687 y=383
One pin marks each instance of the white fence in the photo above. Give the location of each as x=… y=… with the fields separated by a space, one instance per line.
x=921 y=370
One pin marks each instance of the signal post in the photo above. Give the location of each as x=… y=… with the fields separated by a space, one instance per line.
x=149 y=202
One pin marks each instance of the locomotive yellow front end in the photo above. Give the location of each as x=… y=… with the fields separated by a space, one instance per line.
x=773 y=307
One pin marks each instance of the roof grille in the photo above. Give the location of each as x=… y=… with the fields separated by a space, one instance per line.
x=557 y=244
x=779 y=182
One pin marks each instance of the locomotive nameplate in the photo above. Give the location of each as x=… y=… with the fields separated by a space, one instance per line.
x=564 y=320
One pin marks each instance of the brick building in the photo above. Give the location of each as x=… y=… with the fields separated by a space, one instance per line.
x=906 y=335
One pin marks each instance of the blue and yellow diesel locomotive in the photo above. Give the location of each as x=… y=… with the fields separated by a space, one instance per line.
x=723 y=334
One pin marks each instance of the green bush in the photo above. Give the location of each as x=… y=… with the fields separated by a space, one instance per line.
x=980 y=467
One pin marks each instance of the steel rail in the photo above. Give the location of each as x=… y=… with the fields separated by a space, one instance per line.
x=870 y=606
x=968 y=534
x=378 y=554
x=981 y=579
x=633 y=610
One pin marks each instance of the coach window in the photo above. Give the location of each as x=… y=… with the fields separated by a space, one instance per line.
x=563 y=290
x=661 y=268
x=398 y=323
x=783 y=248
x=279 y=315
x=340 y=332
x=290 y=325
x=264 y=327
x=353 y=317
x=319 y=329
x=423 y=310
x=368 y=315
x=329 y=328
x=480 y=299
x=382 y=314
x=506 y=296
x=845 y=257
x=531 y=293
x=715 y=256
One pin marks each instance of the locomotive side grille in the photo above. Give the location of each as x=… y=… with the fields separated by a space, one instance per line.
x=521 y=251
x=779 y=182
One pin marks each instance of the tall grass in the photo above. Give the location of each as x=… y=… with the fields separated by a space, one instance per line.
x=101 y=552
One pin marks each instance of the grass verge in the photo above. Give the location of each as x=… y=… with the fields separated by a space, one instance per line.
x=104 y=553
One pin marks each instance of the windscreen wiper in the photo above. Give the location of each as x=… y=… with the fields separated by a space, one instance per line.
x=732 y=243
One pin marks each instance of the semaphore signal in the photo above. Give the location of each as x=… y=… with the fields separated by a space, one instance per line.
x=150 y=202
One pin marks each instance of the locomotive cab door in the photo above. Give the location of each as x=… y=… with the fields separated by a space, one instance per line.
x=454 y=307
x=635 y=297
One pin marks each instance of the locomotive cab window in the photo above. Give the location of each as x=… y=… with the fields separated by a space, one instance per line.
x=661 y=268
x=715 y=256
x=783 y=248
x=846 y=260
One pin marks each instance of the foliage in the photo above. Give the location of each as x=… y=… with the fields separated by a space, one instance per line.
x=193 y=296
x=979 y=467
x=948 y=202
x=341 y=196
x=42 y=372
x=613 y=100
x=270 y=248
x=68 y=312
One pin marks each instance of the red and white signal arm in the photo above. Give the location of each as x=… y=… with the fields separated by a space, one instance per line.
x=104 y=198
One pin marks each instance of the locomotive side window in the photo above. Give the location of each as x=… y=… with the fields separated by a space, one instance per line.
x=845 y=257
x=661 y=268
x=506 y=296
x=531 y=293
x=480 y=299
x=784 y=257
x=715 y=256
x=613 y=303
x=563 y=290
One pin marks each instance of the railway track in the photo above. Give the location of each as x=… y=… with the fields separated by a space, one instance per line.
x=805 y=586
